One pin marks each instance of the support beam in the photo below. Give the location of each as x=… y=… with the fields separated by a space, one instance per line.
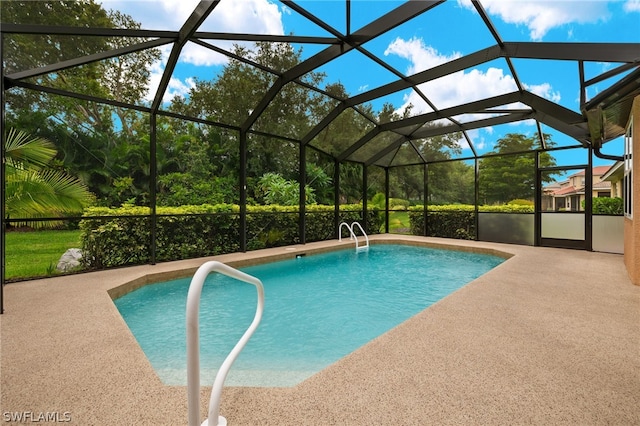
x=361 y=142
x=469 y=61
x=386 y=199
x=476 y=195
x=493 y=121
x=3 y=224
x=470 y=142
x=437 y=131
x=243 y=191
x=10 y=28
x=396 y=17
x=336 y=197
x=198 y=16
x=302 y=177
x=88 y=59
x=324 y=123
x=558 y=117
x=588 y=203
x=153 y=184
x=543 y=143
x=389 y=149
x=494 y=32
x=612 y=73
x=471 y=107
x=561 y=113
x=73 y=95
x=425 y=178
x=274 y=38
x=593 y=52
x=365 y=184
x=537 y=205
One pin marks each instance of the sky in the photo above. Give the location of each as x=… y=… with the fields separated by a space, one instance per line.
x=450 y=30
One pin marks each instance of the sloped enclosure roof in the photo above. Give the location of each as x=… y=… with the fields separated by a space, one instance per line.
x=397 y=142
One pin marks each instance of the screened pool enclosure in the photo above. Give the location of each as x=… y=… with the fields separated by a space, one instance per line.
x=287 y=134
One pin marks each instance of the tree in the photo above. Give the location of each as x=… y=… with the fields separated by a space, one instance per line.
x=278 y=190
x=508 y=177
x=96 y=142
x=451 y=182
x=34 y=189
x=321 y=184
x=234 y=94
x=407 y=180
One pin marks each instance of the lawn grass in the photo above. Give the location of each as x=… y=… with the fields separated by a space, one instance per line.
x=399 y=222
x=36 y=253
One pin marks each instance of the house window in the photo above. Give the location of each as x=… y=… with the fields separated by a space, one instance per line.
x=628 y=171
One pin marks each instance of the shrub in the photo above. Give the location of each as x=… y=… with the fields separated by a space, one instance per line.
x=379 y=200
x=122 y=236
x=456 y=220
x=507 y=208
x=398 y=204
x=520 y=202
x=606 y=205
x=451 y=221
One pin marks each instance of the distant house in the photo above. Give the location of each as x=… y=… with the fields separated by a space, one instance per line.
x=568 y=194
x=615 y=175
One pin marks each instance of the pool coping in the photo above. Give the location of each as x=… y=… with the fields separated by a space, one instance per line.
x=291 y=252
x=549 y=336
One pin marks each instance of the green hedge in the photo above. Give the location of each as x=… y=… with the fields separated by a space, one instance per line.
x=451 y=221
x=121 y=236
x=456 y=220
x=507 y=208
x=606 y=205
x=274 y=226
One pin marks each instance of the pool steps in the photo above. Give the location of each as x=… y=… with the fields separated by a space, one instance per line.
x=193 y=343
x=352 y=234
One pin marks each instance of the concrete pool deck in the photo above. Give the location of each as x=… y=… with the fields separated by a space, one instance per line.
x=550 y=336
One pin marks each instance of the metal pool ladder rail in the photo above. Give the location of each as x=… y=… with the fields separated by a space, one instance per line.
x=352 y=234
x=193 y=344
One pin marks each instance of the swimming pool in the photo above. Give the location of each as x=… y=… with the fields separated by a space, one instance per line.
x=317 y=310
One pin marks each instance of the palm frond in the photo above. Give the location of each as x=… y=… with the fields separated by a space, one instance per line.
x=24 y=151
x=51 y=192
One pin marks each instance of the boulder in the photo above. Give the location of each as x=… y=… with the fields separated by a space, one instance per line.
x=69 y=260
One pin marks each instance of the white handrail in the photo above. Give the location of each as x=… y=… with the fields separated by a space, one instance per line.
x=352 y=234
x=193 y=344
x=363 y=233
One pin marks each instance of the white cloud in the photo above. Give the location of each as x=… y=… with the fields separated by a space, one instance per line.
x=458 y=88
x=478 y=139
x=461 y=87
x=257 y=16
x=543 y=15
x=178 y=88
x=421 y=56
x=544 y=90
x=175 y=88
x=230 y=16
x=455 y=89
x=632 y=6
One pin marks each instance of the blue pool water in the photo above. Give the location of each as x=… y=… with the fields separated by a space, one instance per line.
x=317 y=310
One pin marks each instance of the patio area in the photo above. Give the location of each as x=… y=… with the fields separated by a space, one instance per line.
x=550 y=336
